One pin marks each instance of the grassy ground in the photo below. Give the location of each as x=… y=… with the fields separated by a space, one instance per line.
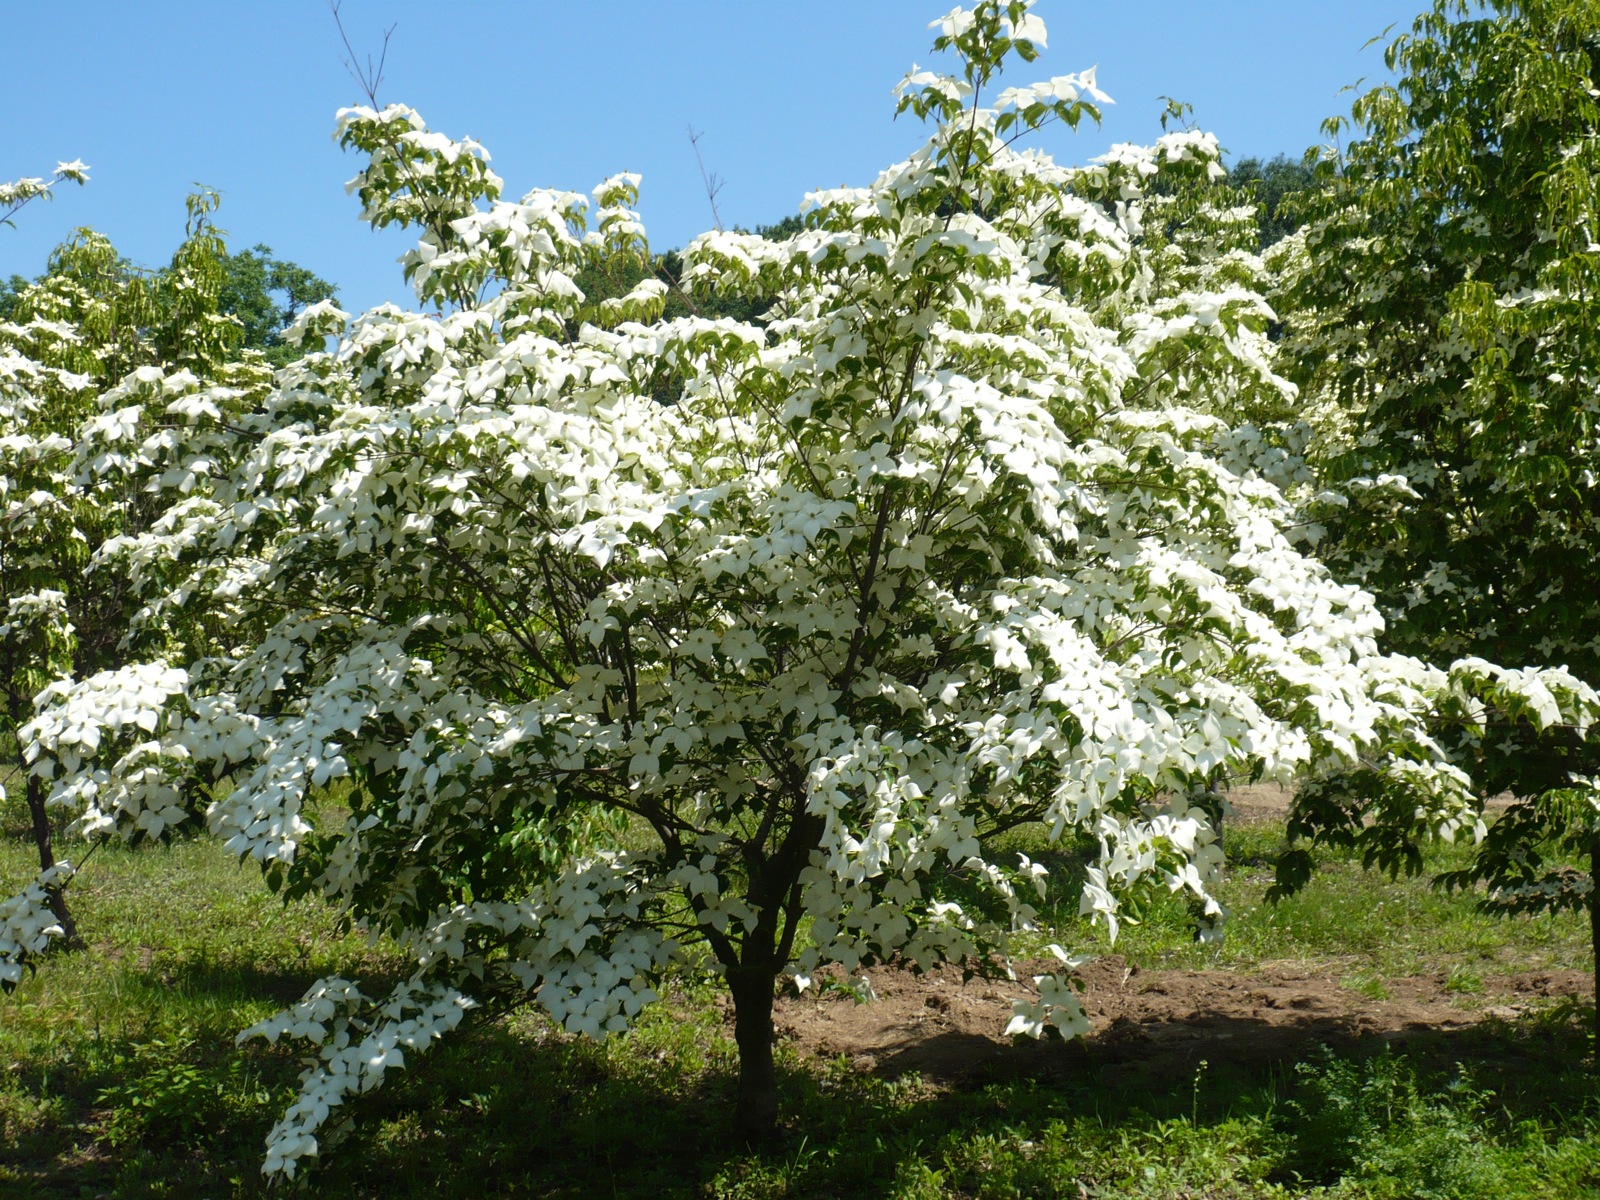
x=119 y=1076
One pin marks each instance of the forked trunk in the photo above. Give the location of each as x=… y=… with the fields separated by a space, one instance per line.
x=756 y=1111
x=47 y=859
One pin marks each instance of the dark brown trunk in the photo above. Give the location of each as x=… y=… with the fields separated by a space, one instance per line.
x=753 y=973
x=1594 y=936
x=47 y=859
x=756 y=1111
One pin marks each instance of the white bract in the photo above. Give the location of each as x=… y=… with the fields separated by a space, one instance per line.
x=16 y=193
x=628 y=627
x=27 y=922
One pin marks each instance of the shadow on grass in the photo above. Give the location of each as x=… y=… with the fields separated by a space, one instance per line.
x=245 y=981
x=513 y=1109
x=169 y=1114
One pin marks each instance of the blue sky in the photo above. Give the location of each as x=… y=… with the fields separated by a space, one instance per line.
x=788 y=97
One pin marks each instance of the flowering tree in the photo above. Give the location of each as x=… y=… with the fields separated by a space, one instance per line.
x=84 y=352
x=1441 y=314
x=34 y=633
x=951 y=539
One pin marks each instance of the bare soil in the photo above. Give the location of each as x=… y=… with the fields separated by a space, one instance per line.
x=949 y=1031
x=1259 y=803
x=1265 y=803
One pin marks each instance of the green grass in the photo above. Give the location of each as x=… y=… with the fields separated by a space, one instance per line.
x=119 y=1075
x=1385 y=928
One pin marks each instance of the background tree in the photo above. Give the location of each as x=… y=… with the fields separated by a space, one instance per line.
x=262 y=293
x=265 y=294
x=80 y=344
x=1444 y=319
x=10 y=289
x=1273 y=186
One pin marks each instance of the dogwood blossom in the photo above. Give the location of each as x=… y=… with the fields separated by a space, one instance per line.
x=28 y=922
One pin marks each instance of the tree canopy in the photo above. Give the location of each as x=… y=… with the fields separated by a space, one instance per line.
x=263 y=294
x=1441 y=316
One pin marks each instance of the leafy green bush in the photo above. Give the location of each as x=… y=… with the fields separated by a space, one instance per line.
x=167 y=1091
x=1369 y=1125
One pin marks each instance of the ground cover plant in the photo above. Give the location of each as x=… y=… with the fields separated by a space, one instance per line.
x=578 y=652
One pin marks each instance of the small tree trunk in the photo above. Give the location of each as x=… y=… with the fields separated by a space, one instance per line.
x=47 y=859
x=1594 y=935
x=756 y=1111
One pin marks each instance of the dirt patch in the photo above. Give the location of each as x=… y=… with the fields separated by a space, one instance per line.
x=1268 y=803
x=1259 y=804
x=950 y=1031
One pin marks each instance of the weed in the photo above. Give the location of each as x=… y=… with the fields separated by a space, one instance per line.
x=1373 y=987
x=166 y=1090
x=1370 y=1122
x=1463 y=980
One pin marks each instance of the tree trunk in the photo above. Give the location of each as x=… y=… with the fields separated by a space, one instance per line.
x=47 y=859
x=1594 y=935
x=756 y=1111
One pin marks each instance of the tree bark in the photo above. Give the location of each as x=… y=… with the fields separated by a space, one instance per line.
x=1594 y=935
x=47 y=859
x=756 y=1110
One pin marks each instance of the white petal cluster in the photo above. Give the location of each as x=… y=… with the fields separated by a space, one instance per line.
x=32 y=610
x=93 y=739
x=358 y=1040
x=1057 y=1008
x=1545 y=696
x=27 y=923
x=15 y=193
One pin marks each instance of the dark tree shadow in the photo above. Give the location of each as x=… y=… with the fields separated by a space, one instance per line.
x=503 y=1111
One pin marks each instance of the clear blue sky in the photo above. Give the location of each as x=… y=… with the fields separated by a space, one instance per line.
x=789 y=96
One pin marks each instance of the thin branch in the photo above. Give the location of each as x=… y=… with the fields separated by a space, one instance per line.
x=713 y=184
x=370 y=79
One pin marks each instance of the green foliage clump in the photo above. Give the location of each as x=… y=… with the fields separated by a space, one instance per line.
x=164 y=1090
x=265 y=294
x=1370 y=1123
x=1441 y=318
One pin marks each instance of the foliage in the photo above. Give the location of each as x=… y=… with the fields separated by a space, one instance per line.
x=1274 y=186
x=969 y=530
x=10 y=289
x=162 y=1092
x=1371 y=1121
x=254 y=281
x=262 y=294
x=1442 y=316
